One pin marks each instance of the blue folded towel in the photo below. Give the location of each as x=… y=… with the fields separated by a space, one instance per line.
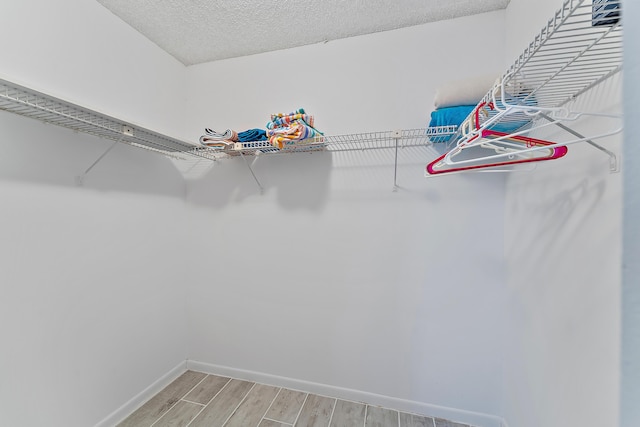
x=252 y=135
x=450 y=116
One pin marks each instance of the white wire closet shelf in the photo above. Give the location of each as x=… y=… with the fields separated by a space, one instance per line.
x=36 y=105
x=49 y=109
x=336 y=143
x=579 y=48
x=385 y=140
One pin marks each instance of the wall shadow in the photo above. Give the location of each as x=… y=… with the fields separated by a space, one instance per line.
x=300 y=184
x=32 y=151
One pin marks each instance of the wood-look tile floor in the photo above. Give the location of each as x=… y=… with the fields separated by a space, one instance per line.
x=197 y=400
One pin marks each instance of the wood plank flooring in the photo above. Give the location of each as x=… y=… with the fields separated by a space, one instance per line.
x=196 y=400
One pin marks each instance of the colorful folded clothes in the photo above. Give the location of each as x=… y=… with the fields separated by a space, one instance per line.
x=285 y=128
x=285 y=119
x=252 y=135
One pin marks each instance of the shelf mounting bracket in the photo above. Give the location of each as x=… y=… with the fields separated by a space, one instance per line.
x=80 y=178
x=252 y=173
x=396 y=134
x=614 y=167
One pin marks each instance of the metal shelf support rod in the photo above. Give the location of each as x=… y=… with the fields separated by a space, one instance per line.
x=252 y=173
x=397 y=135
x=613 y=160
x=80 y=178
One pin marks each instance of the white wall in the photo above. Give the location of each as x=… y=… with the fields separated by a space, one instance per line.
x=377 y=82
x=79 y=51
x=523 y=21
x=630 y=360
x=330 y=277
x=563 y=237
x=91 y=311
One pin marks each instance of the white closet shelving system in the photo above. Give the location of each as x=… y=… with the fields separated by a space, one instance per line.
x=579 y=48
x=49 y=109
x=569 y=57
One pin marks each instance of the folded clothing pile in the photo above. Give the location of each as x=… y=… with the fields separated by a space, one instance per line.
x=455 y=100
x=286 y=129
x=252 y=135
x=218 y=140
x=282 y=130
x=225 y=140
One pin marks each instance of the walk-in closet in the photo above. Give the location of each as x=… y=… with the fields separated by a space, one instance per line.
x=273 y=214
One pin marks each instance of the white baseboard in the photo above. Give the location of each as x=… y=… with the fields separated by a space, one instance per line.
x=138 y=400
x=467 y=417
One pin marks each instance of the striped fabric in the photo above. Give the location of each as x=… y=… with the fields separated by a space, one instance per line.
x=286 y=128
x=285 y=119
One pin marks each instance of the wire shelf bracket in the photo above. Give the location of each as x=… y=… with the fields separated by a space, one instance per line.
x=80 y=178
x=252 y=172
x=614 y=167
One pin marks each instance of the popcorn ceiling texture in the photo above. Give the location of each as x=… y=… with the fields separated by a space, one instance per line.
x=197 y=31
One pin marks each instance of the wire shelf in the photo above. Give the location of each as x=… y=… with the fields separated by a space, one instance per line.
x=579 y=48
x=36 y=105
x=575 y=51
x=385 y=140
x=337 y=143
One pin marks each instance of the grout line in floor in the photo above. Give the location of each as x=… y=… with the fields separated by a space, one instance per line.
x=210 y=400
x=219 y=391
x=276 y=421
x=335 y=403
x=301 y=391
x=195 y=403
x=270 y=405
x=192 y=388
x=177 y=401
x=159 y=418
x=241 y=402
x=281 y=388
x=300 y=410
x=366 y=407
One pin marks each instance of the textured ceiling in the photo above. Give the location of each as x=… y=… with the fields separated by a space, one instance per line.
x=196 y=31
